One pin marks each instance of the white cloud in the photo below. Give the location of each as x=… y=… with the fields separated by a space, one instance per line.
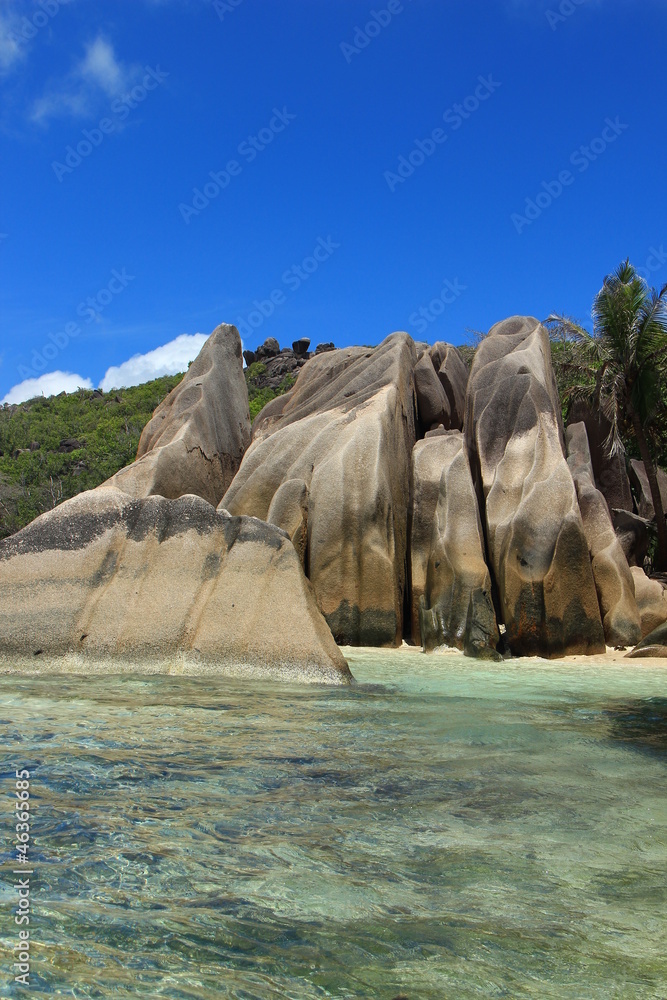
x=78 y=94
x=10 y=50
x=101 y=67
x=169 y=359
x=46 y=385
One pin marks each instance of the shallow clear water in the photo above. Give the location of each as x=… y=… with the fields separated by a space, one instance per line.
x=445 y=829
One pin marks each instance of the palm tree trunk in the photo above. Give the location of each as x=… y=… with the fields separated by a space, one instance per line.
x=651 y=475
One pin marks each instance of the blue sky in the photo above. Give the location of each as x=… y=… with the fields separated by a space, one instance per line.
x=332 y=169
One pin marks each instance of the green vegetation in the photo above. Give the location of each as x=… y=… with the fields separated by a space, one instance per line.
x=259 y=396
x=106 y=425
x=621 y=368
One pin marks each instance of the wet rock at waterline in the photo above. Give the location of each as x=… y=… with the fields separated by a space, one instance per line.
x=345 y=430
x=613 y=579
x=196 y=438
x=105 y=576
x=450 y=583
x=537 y=546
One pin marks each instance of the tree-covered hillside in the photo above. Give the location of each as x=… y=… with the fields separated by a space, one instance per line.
x=53 y=448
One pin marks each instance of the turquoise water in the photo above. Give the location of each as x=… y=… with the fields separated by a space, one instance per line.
x=444 y=829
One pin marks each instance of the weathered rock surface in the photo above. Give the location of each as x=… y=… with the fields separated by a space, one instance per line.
x=450 y=584
x=642 y=489
x=432 y=403
x=536 y=542
x=651 y=600
x=196 y=438
x=150 y=580
x=609 y=473
x=453 y=374
x=653 y=644
x=289 y=511
x=346 y=431
x=613 y=579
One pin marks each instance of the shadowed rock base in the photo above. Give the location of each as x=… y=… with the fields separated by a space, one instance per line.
x=450 y=582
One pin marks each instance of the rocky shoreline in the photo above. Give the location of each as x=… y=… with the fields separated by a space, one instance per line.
x=390 y=494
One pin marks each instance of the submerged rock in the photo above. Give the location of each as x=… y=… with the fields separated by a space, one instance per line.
x=105 y=576
x=537 y=546
x=450 y=582
x=346 y=431
x=613 y=579
x=195 y=440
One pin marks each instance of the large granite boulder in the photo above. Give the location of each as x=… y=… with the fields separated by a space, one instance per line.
x=537 y=546
x=651 y=600
x=195 y=440
x=453 y=374
x=432 y=403
x=653 y=644
x=451 y=598
x=642 y=489
x=609 y=472
x=345 y=431
x=613 y=579
x=160 y=584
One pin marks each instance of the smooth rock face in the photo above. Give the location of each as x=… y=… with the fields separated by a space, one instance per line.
x=450 y=583
x=346 y=430
x=613 y=579
x=108 y=576
x=432 y=402
x=537 y=546
x=453 y=374
x=289 y=511
x=609 y=473
x=643 y=490
x=653 y=644
x=195 y=440
x=651 y=600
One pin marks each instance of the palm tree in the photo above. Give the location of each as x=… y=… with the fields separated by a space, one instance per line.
x=618 y=367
